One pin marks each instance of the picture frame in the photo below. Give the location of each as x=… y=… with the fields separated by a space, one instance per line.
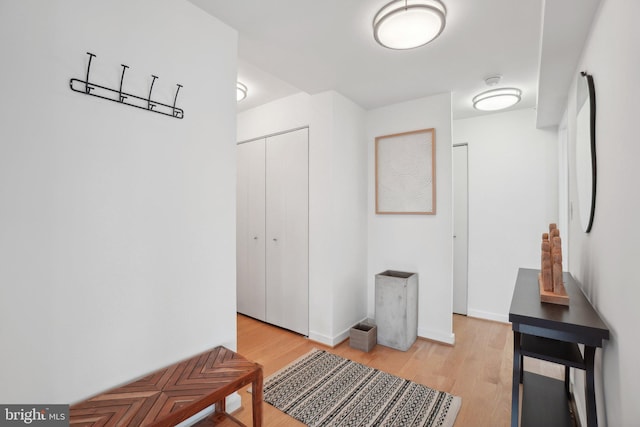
x=405 y=172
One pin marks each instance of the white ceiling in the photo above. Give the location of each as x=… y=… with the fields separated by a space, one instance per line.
x=287 y=46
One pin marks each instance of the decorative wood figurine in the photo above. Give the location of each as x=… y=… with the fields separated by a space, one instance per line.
x=550 y=279
x=546 y=266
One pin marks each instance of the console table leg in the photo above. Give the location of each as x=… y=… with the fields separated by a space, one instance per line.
x=517 y=372
x=567 y=379
x=590 y=390
x=521 y=368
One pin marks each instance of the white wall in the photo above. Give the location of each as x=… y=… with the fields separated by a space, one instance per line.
x=416 y=243
x=283 y=114
x=348 y=207
x=513 y=196
x=604 y=260
x=321 y=234
x=337 y=203
x=117 y=226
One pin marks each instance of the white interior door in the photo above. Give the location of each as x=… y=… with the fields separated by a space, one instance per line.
x=460 y=228
x=287 y=218
x=250 y=239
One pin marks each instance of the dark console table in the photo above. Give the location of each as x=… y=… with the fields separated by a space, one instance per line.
x=552 y=332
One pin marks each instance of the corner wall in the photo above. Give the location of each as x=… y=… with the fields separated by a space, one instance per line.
x=339 y=222
x=416 y=243
x=513 y=196
x=117 y=231
x=604 y=261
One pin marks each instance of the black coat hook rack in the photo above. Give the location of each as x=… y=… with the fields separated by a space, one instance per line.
x=117 y=95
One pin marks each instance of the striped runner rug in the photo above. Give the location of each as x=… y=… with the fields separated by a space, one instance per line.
x=322 y=389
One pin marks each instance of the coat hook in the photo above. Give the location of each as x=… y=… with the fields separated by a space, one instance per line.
x=87 y=87
x=175 y=99
x=149 y=104
x=120 y=96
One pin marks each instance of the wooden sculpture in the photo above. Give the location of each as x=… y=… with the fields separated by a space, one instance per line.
x=546 y=266
x=551 y=285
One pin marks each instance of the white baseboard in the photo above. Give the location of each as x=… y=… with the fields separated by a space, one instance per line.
x=332 y=341
x=234 y=402
x=322 y=339
x=437 y=336
x=197 y=417
x=344 y=335
x=422 y=332
x=488 y=315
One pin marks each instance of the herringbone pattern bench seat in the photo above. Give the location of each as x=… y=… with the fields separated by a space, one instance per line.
x=173 y=394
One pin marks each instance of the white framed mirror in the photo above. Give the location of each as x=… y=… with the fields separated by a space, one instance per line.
x=586 y=149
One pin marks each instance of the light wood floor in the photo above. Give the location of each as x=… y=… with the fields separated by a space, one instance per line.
x=477 y=368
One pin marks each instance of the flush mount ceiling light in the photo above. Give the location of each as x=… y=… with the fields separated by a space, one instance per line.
x=496 y=99
x=241 y=91
x=406 y=24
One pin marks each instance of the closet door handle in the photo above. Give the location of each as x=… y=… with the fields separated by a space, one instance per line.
x=275 y=240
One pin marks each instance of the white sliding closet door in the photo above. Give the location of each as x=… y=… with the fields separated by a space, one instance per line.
x=250 y=248
x=287 y=230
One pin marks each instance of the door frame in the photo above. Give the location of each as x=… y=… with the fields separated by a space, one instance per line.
x=466 y=269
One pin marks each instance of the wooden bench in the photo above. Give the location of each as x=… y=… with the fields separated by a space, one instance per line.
x=173 y=394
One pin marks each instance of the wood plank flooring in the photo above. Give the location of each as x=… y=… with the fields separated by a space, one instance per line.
x=477 y=368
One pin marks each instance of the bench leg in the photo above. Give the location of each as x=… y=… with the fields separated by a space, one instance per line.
x=256 y=399
x=221 y=406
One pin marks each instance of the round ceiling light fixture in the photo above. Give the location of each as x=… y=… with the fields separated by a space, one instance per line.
x=407 y=24
x=241 y=91
x=497 y=99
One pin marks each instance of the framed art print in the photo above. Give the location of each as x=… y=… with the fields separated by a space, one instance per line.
x=405 y=173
